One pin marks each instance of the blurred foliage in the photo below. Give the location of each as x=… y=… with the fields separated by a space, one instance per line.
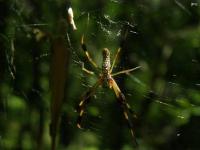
x=163 y=37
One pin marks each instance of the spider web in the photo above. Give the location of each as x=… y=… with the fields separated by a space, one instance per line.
x=164 y=93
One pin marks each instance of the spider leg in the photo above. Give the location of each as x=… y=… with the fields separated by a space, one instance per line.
x=85 y=100
x=114 y=61
x=126 y=108
x=84 y=48
x=86 y=70
x=118 y=51
x=125 y=71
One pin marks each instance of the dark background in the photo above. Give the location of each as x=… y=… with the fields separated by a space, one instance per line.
x=163 y=37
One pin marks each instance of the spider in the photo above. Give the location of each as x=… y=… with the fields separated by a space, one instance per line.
x=106 y=76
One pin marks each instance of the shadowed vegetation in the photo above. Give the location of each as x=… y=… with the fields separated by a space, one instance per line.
x=42 y=81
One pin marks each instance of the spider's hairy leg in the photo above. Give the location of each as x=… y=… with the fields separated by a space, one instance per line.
x=118 y=51
x=85 y=100
x=86 y=70
x=126 y=108
x=133 y=113
x=125 y=71
x=84 y=48
x=114 y=61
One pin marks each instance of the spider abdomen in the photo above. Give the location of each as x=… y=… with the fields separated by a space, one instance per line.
x=106 y=63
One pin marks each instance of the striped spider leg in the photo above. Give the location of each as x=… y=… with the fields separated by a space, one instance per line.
x=106 y=75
